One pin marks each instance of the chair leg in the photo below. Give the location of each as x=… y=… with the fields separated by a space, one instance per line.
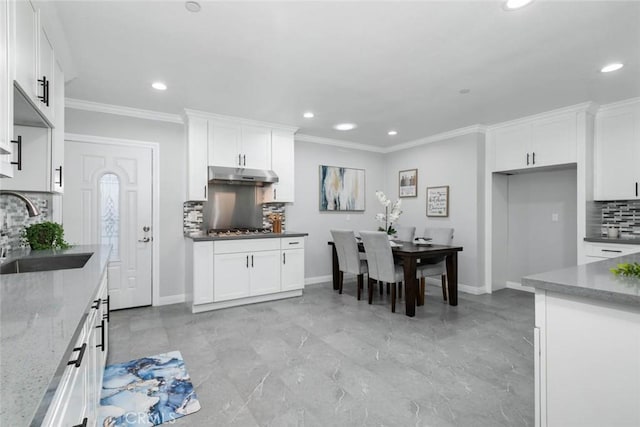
x=360 y=280
x=381 y=285
x=388 y=285
x=340 y=280
x=444 y=287
x=393 y=298
x=421 y=293
x=400 y=290
x=370 y=291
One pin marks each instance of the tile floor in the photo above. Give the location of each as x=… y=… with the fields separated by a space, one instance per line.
x=329 y=360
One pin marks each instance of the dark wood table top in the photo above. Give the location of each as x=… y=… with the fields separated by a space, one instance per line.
x=409 y=249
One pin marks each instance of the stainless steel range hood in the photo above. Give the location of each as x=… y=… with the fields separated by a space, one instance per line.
x=241 y=175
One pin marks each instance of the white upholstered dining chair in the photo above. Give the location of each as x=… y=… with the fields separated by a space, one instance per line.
x=349 y=258
x=380 y=262
x=405 y=233
x=435 y=266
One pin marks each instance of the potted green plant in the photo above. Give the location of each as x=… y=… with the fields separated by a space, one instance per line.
x=45 y=235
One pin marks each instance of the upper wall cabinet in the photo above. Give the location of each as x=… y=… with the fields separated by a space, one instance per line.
x=238 y=145
x=6 y=88
x=282 y=163
x=617 y=152
x=197 y=179
x=539 y=142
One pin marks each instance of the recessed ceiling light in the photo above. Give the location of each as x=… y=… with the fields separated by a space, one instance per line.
x=308 y=115
x=159 y=86
x=515 y=4
x=392 y=132
x=192 y=6
x=464 y=91
x=345 y=126
x=611 y=67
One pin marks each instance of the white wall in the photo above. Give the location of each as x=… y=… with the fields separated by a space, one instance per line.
x=305 y=216
x=536 y=243
x=459 y=163
x=172 y=170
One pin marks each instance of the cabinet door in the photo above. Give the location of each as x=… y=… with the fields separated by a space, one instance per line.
x=46 y=83
x=282 y=163
x=256 y=147
x=36 y=161
x=511 y=146
x=26 y=42
x=6 y=87
x=265 y=272
x=231 y=276
x=554 y=141
x=224 y=144
x=292 y=269
x=197 y=159
x=202 y=272
x=617 y=154
x=57 y=139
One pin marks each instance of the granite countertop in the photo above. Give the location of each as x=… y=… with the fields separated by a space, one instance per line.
x=623 y=240
x=593 y=280
x=39 y=315
x=201 y=236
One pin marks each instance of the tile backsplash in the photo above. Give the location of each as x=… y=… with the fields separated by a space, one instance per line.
x=14 y=217
x=623 y=213
x=192 y=217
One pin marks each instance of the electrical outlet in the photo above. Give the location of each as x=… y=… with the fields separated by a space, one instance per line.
x=555 y=217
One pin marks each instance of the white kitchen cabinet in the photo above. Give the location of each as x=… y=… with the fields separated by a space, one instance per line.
x=292 y=267
x=540 y=142
x=231 y=276
x=26 y=32
x=264 y=275
x=238 y=145
x=200 y=271
x=197 y=174
x=57 y=137
x=46 y=82
x=586 y=362
x=33 y=153
x=596 y=251
x=282 y=163
x=6 y=87
x=617 y=153
x=77 y=397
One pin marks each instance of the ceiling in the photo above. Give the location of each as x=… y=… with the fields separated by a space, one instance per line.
x=383 y=65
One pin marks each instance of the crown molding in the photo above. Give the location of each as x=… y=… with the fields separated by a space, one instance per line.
x=585 y=107
x=619 y=104
x=338 y=143
x=437 y=137
x=239 y=120
x=79 y=104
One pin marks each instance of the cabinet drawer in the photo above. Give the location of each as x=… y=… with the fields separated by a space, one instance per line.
x=608 y=250
x=292 y=242
x=246 y=245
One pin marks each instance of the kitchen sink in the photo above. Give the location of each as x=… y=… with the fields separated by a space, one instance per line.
x=56 y=262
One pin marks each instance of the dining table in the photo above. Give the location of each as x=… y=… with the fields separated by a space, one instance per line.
x=410 y=254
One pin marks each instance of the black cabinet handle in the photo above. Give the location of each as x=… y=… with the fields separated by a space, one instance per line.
x=205 y=191
x=284 y=257
x=275 y=194
x=84 y=423
x=244 y=160
x=239 y=159
x=534 y=157
x=96 y=303
x=636 y=189
x=251 y=261
x=19 y=142
x=59 y=170
x=101 y=327
x=294 y=243
x=45 y=90
x=611 y=250
x=108 y=301
x=527 y=159
x=247 y=261
x=78 y=361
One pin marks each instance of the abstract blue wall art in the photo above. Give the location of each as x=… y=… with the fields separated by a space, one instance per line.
x=341 y=189
x=147 y=392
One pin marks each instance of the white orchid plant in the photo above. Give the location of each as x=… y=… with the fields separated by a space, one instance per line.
x=388 y=217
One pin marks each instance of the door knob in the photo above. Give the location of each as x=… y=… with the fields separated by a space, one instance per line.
x=145 y=240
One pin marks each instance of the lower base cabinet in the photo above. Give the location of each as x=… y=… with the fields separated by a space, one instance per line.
x=233 y=272
x=77 y=397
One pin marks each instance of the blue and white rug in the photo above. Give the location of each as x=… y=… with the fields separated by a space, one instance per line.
x=146 y=392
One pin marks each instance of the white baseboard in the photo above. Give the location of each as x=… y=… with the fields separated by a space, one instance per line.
x=244 y=301
x=517 y=286
x=171 y=299
x=473 y=290
x=318 y=279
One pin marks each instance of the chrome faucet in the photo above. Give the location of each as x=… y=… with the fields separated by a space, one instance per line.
x=31 y=207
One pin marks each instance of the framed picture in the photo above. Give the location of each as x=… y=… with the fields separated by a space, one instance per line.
x=438 y=201
x=408 y=183
x=341 y=189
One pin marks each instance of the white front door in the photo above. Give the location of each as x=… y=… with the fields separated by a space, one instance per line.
x=108 y=200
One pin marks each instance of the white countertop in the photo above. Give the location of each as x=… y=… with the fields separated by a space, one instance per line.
x=593 y=280
x=39 y=314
